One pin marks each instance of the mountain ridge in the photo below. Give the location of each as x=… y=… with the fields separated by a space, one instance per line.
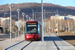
x=27 y=8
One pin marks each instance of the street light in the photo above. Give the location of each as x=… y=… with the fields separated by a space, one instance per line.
x=10 y=6
x=26 y=17
x=18 y=10
x=29 y=18
x=23 y=14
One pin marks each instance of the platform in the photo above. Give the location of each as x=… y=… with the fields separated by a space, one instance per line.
x=51 y=42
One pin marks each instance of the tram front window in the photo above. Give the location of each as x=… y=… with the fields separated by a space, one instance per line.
x=31 y=28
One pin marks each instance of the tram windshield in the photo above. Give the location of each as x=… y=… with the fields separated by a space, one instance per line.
x=31 y=27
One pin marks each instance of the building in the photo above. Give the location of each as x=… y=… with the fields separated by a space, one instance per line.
x=71 y=17
x=20 y=23
x=4 y=19
x=63 y=17
x=4 y=24
x=64 y=24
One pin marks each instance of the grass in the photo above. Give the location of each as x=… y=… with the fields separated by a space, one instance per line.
x=67 y=36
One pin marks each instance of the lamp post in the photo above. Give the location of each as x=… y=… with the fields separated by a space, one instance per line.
x=18 y=10
x=33 y=14
x=4 y=25
x=30 y=18
x=23 y=14
x=42 y=18
x=27 y=17
x=10 y=6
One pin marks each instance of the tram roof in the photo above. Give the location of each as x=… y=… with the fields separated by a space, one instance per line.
x=30 y=21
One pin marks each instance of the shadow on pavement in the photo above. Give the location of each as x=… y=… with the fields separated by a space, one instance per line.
x=68 y=37
x=13 y=45
x=52 y=38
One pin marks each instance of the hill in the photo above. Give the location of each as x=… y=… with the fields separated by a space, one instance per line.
x=28 y=7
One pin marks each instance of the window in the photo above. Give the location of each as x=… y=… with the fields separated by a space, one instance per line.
x=32 y=28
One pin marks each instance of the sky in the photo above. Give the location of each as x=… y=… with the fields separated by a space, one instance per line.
x=57 y=2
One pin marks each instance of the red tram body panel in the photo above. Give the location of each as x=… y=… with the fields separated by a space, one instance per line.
x=32 y=36
x=32 y=30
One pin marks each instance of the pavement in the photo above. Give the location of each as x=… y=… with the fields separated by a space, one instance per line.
x=51 y=42
x=6 y=42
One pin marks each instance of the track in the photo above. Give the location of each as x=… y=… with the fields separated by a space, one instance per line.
x=51 y=42
x=19 y=46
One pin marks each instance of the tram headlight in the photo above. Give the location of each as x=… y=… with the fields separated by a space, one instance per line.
x=27 y=36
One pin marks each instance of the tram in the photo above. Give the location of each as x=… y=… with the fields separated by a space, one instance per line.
x=32 y=30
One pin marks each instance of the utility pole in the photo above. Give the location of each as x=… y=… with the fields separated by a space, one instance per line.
x=49 y=26
x=29 y=18
x=44 y=21
x=52 y=26
x=33 y=14
x=18 y=10
x=26 y=17
x=42 y=18
x=34 y=17
x=10 y=6
x=4 y=24
x=57 y=21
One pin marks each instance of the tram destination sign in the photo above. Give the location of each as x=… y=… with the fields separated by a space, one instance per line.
x=31 y=23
